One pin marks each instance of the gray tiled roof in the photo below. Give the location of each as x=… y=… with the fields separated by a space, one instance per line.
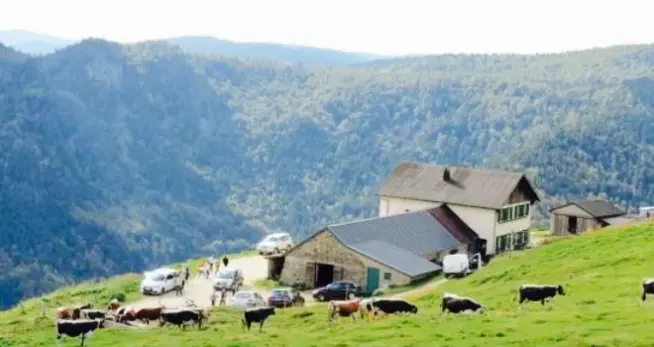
x=599 y=208
x=417 y=233
x=395 y=257
x=469 y=186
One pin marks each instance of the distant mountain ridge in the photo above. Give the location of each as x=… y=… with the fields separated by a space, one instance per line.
x=40 y=44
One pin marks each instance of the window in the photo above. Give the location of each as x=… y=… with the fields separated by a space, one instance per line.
x=513 y=212
x=387 y=276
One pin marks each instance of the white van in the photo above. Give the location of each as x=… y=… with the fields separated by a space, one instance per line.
x=458 y=264
x=160 y=281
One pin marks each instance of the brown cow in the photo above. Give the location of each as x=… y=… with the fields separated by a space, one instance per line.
x=147 y=314
x=113 y=305
x=126 y=314
x=71 y=312
x=347 y=308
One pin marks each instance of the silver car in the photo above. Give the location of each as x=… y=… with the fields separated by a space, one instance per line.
x=247 y=299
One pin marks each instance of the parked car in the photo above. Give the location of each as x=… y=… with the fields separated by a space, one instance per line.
x=339 y=290
x=275 y=244
x=160 y=281
x=285 y=297
x=247 y=299
x=228 y=278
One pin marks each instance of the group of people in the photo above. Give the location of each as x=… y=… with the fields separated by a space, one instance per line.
x=210 y=266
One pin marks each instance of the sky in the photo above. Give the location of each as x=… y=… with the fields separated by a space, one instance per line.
x=389 y=27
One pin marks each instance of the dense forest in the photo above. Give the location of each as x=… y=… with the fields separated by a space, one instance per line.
x=116 y=158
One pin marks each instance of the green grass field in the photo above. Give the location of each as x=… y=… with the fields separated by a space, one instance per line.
x=601 y=270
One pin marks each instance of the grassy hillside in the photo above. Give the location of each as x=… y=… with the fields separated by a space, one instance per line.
x=601 y=270
x=129 y=156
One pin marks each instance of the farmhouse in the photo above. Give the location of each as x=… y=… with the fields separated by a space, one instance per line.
x=497 y=205
x=577 y=217
x=374 y=252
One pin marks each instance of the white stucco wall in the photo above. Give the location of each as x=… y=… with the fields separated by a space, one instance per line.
x=481 y=220
x=390 y=206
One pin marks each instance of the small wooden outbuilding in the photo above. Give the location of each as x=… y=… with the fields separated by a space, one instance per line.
x=577 y=217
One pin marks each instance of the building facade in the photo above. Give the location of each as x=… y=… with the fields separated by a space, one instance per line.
x=497 y=205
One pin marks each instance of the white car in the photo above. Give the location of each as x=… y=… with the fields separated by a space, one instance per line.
x=275 y=244
x=228 y=278
x=160 y=281
x=247 y=299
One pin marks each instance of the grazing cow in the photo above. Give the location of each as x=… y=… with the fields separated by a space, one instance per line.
x=456 y=304
x=91 y=313
x=346 y=308
x=74 y=328
x=113 y=305
x=539 y=292
x=70 y=312
x=126 y=314
x=391 y=306
x=147 y=314
x=256 y=315
x=648 y=288
x=366 y=308
x=181 y=316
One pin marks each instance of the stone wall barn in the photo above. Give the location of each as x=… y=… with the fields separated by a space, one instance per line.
x=375 y=252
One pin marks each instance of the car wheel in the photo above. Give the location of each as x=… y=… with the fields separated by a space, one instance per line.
x=321 y=297
x=351 y=296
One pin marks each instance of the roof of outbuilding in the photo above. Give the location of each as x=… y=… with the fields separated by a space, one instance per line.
x=395 y=257
x=596 y=208
x=468 y=186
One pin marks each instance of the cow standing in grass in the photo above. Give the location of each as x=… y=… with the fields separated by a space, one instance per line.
x=180 y=317
x=648 y=288
x=347 y=308
x=539 y=292
x=256 y=315
x=457 y=304
x=71 y=312
x=75 y=328
x=387 y=306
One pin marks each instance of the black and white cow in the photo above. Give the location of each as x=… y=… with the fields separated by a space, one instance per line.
x=181 y=316
x=256 y=315
x=390 y=306
x=91 y=313
x=539 y=292
x=75 y=328
x=456 y=304
x=648 y=288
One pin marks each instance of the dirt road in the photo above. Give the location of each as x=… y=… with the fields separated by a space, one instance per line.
x=200 y=289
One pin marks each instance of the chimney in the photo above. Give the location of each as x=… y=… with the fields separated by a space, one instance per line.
x=446 y=175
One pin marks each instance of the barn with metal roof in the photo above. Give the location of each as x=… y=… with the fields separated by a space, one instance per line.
x=375 y=252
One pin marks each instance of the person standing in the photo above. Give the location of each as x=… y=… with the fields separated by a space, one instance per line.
x=212 y=261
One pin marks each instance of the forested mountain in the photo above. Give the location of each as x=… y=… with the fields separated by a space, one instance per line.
x=32 y=43
x=117 y=157
x=38 y=44
x=270 y=51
